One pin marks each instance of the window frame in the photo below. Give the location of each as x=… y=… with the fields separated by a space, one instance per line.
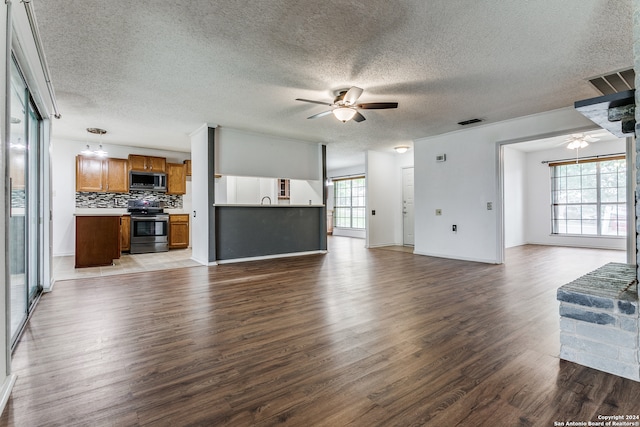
x=597 y=205
x=361 y=197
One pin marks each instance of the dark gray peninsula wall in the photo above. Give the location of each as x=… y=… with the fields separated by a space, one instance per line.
x=249 y=231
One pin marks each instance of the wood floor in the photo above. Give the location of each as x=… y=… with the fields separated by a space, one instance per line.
x=356 y=337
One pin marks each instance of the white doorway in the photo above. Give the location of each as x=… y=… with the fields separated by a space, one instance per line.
x=408 y=222
x=527 y=185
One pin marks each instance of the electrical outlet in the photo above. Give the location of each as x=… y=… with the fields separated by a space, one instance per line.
x=454 y=228
x=489 y=206
x=373 y=212
x=438 y=212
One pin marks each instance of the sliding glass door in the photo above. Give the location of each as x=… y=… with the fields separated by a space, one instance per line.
x=25 y=217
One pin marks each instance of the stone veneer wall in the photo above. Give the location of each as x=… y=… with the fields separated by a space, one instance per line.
x=599 y=321
x=119 y=200
x=636 y=57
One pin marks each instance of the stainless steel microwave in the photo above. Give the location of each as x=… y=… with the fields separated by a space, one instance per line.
x=149 y=181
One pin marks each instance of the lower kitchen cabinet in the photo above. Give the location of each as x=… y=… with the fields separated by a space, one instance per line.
x=178 y=231
x=125 y=233
x=97 y=240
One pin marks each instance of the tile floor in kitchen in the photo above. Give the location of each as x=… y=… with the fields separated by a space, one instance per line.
x=63 y=266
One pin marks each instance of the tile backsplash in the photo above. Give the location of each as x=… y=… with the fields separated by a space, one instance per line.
x=119 y=200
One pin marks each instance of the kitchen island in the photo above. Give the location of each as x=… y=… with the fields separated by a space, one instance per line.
x=265 y=231
x=97 y=239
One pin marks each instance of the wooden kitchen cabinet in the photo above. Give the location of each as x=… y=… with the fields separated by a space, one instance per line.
x=94 y=174
x=178 y=231
x=142 y=163
x=176 y=178
x=117 y=171
x=157 y=164
x=89 y=175
x=188 y=163
x=125 y=233
x=97 y=240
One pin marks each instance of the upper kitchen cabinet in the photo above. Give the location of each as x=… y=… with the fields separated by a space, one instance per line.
x=147 y=163
x=89 y=175
x=117 y=175
x=188 y=163
x=94 y=174
x=176 y=178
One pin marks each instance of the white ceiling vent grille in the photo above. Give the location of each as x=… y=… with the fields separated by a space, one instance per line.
x=619 y=81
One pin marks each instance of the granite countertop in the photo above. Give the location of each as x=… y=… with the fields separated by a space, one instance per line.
x=100 y=212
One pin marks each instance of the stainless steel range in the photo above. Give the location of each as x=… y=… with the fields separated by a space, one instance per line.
x=149 y=226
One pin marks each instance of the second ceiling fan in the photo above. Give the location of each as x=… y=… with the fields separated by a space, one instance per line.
x=346 y=107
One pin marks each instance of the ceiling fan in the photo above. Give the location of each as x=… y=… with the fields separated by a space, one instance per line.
x=579 y=140
x=346 y=107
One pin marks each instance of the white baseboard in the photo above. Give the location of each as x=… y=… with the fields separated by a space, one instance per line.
x=5 y=392
x=49 y=288
x=202 y=262
x=484 y=261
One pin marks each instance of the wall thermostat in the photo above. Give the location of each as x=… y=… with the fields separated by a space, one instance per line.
x=441 y=158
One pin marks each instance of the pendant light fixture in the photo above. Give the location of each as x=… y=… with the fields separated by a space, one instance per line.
x=100 y=152
x=87 y=151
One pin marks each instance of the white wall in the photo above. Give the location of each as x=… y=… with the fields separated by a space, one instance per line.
x=538 y=192
x=463 y=185
x=305 y=192
x=515 y=213
x=242 y=153
x=64 y=154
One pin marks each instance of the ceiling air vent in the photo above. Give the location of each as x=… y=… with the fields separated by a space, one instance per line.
x=469 y=122
x=619 y=81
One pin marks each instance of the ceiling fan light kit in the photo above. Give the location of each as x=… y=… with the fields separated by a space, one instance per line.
x=579 y=140
x=577 y=144
x=345 y=105
x=344 y=114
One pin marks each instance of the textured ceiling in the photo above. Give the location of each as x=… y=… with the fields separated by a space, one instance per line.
x=152 y=71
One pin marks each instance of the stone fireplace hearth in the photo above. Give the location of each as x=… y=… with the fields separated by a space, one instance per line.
x=599 y=320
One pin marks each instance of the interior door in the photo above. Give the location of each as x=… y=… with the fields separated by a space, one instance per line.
x=408 y=222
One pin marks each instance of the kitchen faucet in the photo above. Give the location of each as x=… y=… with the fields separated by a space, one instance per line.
x=265 y=197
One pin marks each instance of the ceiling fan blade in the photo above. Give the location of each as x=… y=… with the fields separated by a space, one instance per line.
x=352 y=95
x=314 y=102
x=324 y=113
x=358 y=117
x=378 y=105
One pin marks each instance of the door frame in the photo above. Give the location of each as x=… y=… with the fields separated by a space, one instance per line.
x=499 y=150
x=414 y=198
